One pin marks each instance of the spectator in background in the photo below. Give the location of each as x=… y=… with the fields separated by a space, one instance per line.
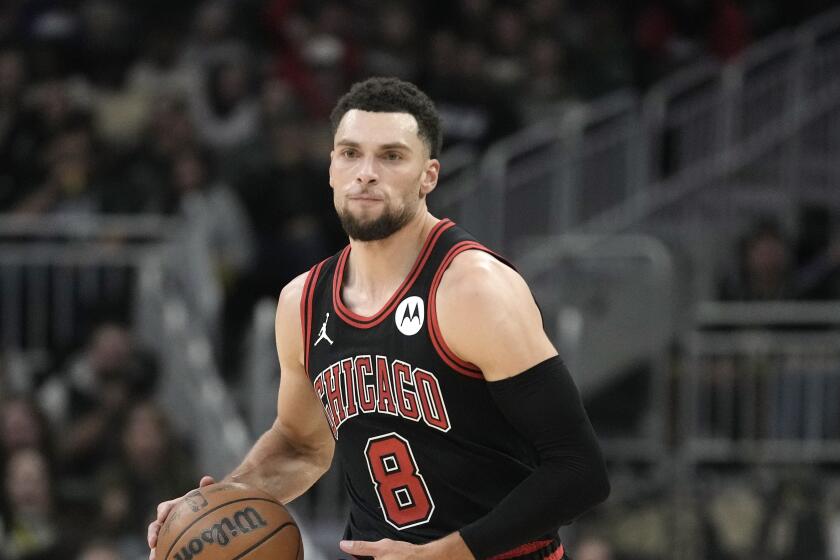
x=45 y=111
x=394 y=49
x=793 y=527
x=107 y=53
x=225 y=110
x=505 y=63
x=23 y=425
x=316 y=58
x=213 y=38
x=89 y=398
x=764 y=269
x=151 y=466
x=31 y=526
x=148 y=167
x=547 y=82
x=100 y=549
x=473 y=111
x=70 y=184
x=160 y=71
x=286 y=196
x=731 y=519
x=769 y=269
x=213 y=209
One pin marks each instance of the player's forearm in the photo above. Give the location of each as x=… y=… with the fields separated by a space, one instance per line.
x=281 y=468
x=543 y=405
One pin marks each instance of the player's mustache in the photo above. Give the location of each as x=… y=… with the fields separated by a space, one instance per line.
x=368 y=192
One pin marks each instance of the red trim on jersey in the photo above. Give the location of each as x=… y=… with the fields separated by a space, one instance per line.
x=529 y=549
x=306 y=309
x=362 y=322
x=446 y=354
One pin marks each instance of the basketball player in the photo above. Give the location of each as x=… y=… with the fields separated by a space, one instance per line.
x=418 y=356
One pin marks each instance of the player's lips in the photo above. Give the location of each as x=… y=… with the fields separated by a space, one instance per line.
x=365 y=198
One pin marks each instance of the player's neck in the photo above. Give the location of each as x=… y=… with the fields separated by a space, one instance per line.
x=376 y=268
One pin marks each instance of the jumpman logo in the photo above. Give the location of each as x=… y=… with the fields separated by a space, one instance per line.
x=322 y=334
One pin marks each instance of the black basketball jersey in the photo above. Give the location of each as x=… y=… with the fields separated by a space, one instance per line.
x=424 y=449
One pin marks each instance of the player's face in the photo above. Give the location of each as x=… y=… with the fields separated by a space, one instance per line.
x=380 y=173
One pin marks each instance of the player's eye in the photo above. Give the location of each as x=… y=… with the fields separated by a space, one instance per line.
x=393 y=156
x=349 y=153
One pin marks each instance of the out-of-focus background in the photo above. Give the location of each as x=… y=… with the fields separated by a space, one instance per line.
x=665 y=173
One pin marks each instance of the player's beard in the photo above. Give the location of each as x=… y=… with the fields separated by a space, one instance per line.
x=386 y=224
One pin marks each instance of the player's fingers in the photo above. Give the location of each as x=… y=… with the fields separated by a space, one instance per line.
x=362 y=548
x=206 y=481
x=152 y=534
x=163 y=510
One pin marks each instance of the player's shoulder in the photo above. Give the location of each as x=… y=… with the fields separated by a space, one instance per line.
x=476 y=277
x=291 y=293
x=288 y=304
x=287 y=321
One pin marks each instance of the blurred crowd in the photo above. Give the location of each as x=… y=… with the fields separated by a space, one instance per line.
x=215 y=111
x=772 y=264
x=86 y=454
x=769 y=513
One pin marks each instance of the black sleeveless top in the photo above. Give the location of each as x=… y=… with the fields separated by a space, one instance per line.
x=425 y=450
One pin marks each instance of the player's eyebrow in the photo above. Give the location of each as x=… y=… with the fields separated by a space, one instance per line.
x=388 y=146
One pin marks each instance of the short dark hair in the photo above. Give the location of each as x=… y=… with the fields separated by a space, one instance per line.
x=392 y=95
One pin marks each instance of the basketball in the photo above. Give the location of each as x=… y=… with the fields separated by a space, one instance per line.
x=227 y=521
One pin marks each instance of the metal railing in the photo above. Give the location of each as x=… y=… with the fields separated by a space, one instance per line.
x=532 y=183
x=768 y=120
x=759 y=391
x=762 y=383
x=608 y=303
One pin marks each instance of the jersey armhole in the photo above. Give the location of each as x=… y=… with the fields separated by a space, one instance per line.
x=446 y=354
x=306 y=309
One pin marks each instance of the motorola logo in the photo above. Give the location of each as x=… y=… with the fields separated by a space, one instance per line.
x=410 y=315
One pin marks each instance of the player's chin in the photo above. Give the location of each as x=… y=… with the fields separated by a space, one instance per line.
x=363 y=213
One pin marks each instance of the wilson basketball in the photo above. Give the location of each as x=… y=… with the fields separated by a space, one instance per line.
x=228 y=521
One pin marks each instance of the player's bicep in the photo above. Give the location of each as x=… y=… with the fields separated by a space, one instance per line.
x=300 y=416
x=488 y=317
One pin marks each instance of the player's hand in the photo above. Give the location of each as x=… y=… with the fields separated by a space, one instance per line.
x=163 y=510
x=450 y=548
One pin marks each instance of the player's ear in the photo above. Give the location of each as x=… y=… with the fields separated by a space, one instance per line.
x=431 y=173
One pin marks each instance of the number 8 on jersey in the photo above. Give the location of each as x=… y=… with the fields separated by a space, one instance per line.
x=400 y=487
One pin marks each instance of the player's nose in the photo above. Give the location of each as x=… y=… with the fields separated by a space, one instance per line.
x=367 y=172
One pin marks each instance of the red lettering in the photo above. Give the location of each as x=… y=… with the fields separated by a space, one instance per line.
x=333 y=386
x=346 y=389
x=319 y=390
x=383 y=380
x=428 y=389
x=367 y=396
x=350 y=387
x=406 y=400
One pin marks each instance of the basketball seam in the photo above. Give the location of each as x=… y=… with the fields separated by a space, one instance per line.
x=268 y=536
x=208 y=512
